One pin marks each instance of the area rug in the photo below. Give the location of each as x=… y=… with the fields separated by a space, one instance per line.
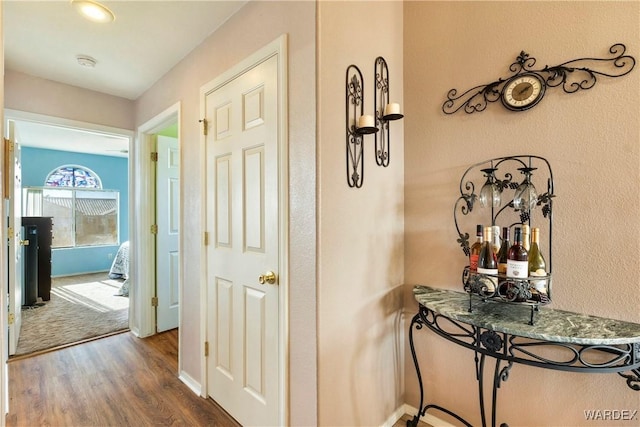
x=77 y=311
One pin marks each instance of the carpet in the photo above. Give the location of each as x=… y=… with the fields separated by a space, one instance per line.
x=81 y=307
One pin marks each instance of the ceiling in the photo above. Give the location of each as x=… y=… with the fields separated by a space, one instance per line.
x=57 y=137
x=146 y=40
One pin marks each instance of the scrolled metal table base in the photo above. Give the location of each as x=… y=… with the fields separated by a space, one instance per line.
x=509 y=349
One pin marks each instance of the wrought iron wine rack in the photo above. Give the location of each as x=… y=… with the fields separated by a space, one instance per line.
x=506 y=201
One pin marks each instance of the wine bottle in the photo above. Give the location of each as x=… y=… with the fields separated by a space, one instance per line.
x=517 y=268
x=526 y=239
x=475 y=249
x=495 y=236
x=502 y=252
x=487 y=262
x=517 y=257
x=536 y=263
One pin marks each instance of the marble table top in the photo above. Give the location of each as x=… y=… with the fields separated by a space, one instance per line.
x=549 y=324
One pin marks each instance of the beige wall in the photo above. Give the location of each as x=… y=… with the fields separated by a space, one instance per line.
x=592 y=141
x=36 y=95
x=360 y=248
x=254 y=26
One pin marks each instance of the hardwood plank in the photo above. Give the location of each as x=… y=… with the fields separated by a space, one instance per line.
x=119 y=380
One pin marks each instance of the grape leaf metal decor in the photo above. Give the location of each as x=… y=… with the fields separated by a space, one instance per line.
x=572 y=76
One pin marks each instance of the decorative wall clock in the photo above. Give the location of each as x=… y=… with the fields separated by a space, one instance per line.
x=526 y=86
x=523 y=91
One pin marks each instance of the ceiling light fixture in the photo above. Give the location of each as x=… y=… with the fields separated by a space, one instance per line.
x=86 y=61
x=93 y=11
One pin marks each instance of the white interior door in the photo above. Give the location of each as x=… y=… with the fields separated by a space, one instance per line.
x=15 y=241
x=167 y=243
x=243 y=225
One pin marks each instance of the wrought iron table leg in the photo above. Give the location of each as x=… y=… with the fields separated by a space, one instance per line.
x=480 y=377
x=494 y=397
x=418 y=322
x=499 y=375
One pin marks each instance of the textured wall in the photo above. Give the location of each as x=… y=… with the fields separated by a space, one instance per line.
x=35 y=95
x=254 y=26
x=591 y=139
x=360 y=264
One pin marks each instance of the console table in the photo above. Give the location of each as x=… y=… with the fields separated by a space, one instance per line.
x=501 y=331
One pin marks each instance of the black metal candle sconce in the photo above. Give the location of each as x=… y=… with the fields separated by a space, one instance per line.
x=385 y=111
x=355 y=135
x=359 y=124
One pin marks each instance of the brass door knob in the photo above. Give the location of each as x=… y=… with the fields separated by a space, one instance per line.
x=24 y=242
x=268 y=277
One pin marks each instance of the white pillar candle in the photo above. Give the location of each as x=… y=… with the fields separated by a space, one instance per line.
x=392 y=108
x=365 y=121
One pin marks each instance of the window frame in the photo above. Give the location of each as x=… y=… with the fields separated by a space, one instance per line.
x=37 y=210
x=75 y=167
x=36 y=196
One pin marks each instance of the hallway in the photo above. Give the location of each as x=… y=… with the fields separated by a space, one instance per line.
x=119 y=380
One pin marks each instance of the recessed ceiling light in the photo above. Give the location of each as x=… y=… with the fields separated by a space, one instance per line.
x=93 y=11
x=86 y=61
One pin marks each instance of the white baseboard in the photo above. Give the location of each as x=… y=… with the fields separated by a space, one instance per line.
x=408 y=409
x=190 y=382
x=57 y=276
x=396 y=416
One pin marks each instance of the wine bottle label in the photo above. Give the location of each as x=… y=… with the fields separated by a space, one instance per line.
x=518 y=269
x=473 y=262
x=540 y=285
x=489 y=281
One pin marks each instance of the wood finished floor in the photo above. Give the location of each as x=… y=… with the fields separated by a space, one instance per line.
x=119 y=380
x=115 y=381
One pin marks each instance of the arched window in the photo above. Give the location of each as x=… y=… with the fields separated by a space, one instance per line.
x=73 y=176
x=83 y=213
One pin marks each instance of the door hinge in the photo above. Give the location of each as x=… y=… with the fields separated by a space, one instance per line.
x=205 y=126
x=154 y=229
x=10 y=232
x=206 y=238
x=12 y=318
x=10 y=144
x=206 y=349
x=154 y=156
x=154 y=301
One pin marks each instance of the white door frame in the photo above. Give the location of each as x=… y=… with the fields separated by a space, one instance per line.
x=15 y=276
x=277 y=47
x=23 y=116
x=167 y=170
x=143 y=272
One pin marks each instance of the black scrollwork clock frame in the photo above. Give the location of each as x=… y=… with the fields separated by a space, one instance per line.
x=572 y=76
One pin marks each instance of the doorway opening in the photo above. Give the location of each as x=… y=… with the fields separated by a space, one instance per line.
x=68 y=237
x=156 y=239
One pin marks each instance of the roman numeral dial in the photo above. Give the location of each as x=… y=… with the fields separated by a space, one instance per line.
x=522 y=91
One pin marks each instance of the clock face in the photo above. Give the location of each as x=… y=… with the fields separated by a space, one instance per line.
x=522 y=92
